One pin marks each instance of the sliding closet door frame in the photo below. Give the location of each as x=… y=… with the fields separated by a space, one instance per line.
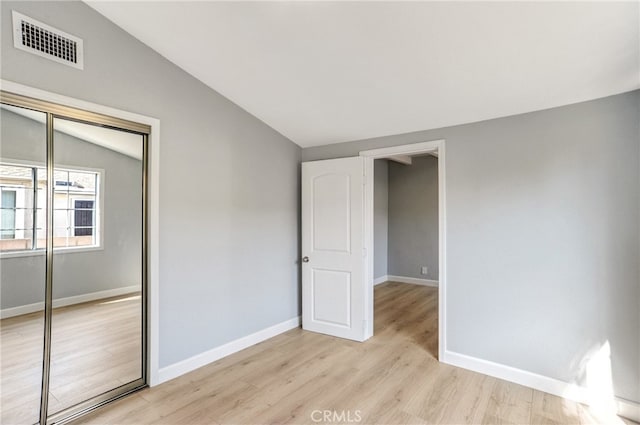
x=48 y=294
x=53 y=111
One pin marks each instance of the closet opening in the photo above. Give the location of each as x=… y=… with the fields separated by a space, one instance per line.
x=73 y=259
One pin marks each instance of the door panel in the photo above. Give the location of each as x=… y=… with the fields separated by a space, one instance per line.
x=333 y=279
x=331 y=212
x=22 y=263
x=331 y=292
x=97 y=317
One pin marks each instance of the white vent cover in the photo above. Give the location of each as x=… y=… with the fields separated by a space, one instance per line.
x=40 y=39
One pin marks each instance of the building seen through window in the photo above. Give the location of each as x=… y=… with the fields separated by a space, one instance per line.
x=23 y=215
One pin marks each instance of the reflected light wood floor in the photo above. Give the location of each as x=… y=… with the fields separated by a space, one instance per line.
x=394 y=378
x=96 y=346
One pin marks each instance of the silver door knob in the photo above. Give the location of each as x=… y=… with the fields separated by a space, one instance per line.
x=305 y=259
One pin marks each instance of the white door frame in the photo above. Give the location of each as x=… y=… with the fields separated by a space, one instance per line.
x=153 y=282
x=436 y=147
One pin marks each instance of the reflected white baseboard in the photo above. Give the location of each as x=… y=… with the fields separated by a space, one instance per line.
x=62 y=302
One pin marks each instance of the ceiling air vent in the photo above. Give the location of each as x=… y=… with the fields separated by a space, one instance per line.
x=42 y=40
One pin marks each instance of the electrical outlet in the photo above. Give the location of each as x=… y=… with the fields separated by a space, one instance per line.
x=424 y=271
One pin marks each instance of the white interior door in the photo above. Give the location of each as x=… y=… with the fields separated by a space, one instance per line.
x=333 y=263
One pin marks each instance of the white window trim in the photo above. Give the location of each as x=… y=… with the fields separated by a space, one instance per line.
x=99 y=245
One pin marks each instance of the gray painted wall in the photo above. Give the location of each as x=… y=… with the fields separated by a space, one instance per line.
x=380 y=217
x=117 y=264
x=413 y=218
x=542 y=236
x=229 y=184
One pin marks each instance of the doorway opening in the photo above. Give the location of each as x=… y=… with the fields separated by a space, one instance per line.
x=404 y=231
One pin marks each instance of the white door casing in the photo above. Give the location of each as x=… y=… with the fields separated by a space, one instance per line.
x=333 y=250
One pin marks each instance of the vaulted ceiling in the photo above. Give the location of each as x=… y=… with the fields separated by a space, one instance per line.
x=327 y=72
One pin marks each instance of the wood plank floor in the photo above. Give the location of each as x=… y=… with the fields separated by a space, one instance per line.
x=96 y=346
x=394 y=378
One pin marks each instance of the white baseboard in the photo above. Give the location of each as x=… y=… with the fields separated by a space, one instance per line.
x=412 y=280
x=180 y=368
x=379 y=280
x=628 y=409
x=62 y=302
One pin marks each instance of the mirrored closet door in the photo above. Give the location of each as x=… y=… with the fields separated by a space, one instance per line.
x=72 y=260
x=23 y=187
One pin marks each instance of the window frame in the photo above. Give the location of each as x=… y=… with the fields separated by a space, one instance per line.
x=99 y=205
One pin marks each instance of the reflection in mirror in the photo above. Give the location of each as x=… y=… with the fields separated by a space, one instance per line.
x=23 y=189
x=96 y=338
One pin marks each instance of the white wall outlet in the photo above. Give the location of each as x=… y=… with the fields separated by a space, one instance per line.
x=424 y=270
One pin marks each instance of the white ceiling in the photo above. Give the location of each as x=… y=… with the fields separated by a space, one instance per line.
x=327 y=72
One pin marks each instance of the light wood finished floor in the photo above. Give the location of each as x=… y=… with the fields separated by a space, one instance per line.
x=96 y=346
x=394 y=378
